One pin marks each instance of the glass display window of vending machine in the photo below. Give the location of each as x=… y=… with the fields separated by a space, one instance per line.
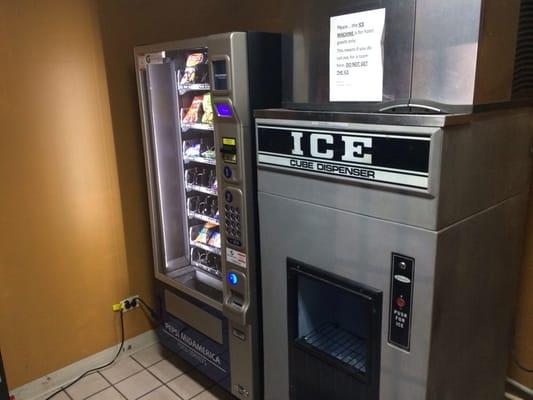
x=184 y=164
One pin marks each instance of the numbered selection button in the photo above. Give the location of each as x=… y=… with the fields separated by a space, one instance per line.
x=228 y=172
x=228 y=196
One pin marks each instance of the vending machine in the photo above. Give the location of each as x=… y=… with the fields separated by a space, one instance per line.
x=196 y=99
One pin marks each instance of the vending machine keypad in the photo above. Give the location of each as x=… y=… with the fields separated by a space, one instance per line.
x=233 y=224
x=233 y=217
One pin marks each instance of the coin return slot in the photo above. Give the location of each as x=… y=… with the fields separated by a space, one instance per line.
x=236 y=299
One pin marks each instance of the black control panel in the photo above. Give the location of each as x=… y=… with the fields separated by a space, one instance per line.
x=401 y=298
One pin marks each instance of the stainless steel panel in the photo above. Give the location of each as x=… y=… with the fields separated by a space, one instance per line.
x=244 y=369
x=342 y=118
x=233 y=47
x=413 y=208
x=497 y=40
x=445 y=50
x=355 y=247
x=306 y=51
x=168 y=169
x=478 y=263
x=244 y=354
x=194 y=316
x=484 y=163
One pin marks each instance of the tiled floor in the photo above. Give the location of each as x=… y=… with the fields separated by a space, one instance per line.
x=151 y=374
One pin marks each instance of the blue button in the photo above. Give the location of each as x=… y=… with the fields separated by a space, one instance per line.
x=227 y=172
x=233 y=279
x=228 y=196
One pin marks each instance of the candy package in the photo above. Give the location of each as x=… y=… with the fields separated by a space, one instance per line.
x=207 y=118
x=192 y=150
x=203 y=235
x=214 y=240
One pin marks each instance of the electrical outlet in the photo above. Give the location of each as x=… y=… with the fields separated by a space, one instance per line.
x=130 y=303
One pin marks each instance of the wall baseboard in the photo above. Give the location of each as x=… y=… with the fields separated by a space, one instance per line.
x=53 y=381
x=522 y=388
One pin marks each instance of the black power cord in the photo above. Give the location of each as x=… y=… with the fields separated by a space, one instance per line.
x=91 y=371
x=153 y=314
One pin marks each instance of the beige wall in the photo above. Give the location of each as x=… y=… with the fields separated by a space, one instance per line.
x=62 y=252
x=524 y=318
x=74 y=232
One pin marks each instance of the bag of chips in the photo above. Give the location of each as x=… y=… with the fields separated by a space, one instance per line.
x=214 y=240
x=191 y=117
x=207 y=118
x=191 y=68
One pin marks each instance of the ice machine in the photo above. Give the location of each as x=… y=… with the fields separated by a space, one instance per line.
x=390 y=251
x=393 y=191
x=196 y=100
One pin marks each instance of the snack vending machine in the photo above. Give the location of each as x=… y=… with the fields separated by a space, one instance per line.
x=196 y=98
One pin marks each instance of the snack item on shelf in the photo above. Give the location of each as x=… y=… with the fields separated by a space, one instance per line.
x=203 y=235
x=192 y=150
x=191 y=117
x=209 y=153
x=207 y=118
x=191 y=68
x=214 y=239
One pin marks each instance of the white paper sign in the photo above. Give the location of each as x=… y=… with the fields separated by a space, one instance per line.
x=356 y=56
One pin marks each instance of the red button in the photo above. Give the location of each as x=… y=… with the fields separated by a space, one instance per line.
x=400 y=302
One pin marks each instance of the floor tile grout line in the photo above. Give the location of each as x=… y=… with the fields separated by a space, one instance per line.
x=123 y=379
x=113 y=386
x=151 y=365
x=148 y=392
x=98 y=391
x=173 y=391
x=136 y=373
x=119 y=392
x=161 y=380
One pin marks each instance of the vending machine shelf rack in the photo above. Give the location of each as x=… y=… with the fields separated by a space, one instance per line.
x=185 y=127
x=212 y=271
x=338 y=345
x=182 y=89
x=203 y=217
x=206 y=247
x=201 y=160
x=201 y=189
